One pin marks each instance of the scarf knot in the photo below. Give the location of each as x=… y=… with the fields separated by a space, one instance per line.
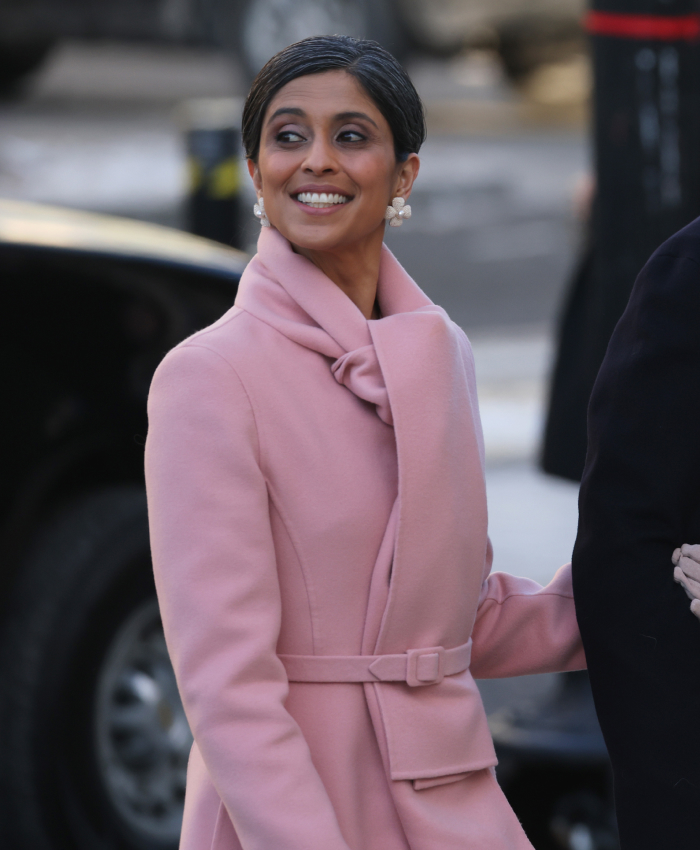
x=360 y=372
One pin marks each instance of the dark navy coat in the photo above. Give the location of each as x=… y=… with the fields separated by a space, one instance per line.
x=640 y=498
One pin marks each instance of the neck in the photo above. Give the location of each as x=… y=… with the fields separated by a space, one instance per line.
x=353 y=268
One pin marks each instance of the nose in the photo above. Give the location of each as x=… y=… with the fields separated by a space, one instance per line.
x=320 y=158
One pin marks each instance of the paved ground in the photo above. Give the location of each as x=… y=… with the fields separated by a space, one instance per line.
x=493 y=235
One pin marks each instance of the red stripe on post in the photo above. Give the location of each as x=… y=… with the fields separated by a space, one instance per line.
x=644 y=27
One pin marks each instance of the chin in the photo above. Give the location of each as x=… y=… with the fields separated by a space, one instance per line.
x=315 y=238
x=329 y=237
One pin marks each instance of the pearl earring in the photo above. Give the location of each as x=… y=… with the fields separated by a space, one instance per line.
x=397 y=212
x=259 y=212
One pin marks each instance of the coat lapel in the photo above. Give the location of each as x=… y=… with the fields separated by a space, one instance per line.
x=438 y=730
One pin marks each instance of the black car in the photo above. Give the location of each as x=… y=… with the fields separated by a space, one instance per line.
x=93 y=738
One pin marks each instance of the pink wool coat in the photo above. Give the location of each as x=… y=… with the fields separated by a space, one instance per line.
x=316 y=493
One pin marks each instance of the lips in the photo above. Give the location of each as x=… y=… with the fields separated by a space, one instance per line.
x=321 y=200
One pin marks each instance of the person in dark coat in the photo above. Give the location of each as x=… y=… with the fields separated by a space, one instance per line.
x=639 y=501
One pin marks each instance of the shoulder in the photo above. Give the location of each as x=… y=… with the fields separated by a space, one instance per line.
x=216 y=352
x=653 y=352
x=195 y=380
x=685 y=244
x=672 y=270
x=197 y=402
x=201 y=370
x=667 y=290
x=226 y=336
x=203 y=352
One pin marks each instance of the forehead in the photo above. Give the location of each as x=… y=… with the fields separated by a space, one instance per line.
x=326 y=94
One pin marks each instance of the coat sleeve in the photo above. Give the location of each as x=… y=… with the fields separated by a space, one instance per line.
x=522 y=627
x=217 y=584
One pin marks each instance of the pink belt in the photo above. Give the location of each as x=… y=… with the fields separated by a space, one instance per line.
x=416 y=667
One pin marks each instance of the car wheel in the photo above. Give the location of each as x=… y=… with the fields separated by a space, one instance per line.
x=265 y=27
x=93 y=734
x=563 y=806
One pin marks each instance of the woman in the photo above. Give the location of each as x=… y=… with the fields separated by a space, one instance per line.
x=315 y=476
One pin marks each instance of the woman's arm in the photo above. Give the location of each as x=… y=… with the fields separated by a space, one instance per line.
x=216 y=577
x=523 y=628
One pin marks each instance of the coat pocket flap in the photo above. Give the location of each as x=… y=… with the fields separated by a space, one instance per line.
x=435 y=731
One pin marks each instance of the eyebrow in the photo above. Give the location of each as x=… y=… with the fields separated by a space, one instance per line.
x=342 y=116
x=286 y=110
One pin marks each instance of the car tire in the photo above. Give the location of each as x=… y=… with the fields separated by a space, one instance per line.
x=93 y=736
x=563 y=806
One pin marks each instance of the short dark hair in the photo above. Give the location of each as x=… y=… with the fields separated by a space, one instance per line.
x=375 y=69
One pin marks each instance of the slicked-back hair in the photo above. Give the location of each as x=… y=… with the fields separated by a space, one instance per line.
x=374 y=68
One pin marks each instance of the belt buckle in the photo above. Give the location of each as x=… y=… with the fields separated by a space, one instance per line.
x=425 y=666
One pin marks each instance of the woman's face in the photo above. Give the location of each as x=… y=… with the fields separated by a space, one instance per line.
x=322 y=135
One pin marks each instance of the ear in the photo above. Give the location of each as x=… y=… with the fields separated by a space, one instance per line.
x=254 y=172
x=406 y=174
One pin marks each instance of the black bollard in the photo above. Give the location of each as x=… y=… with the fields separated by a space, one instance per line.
x=213 y=137
x=646 y=58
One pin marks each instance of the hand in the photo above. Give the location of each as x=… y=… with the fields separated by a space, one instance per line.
x=687 y=573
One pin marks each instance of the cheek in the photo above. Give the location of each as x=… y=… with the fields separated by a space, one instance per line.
x=275 y=171
x=375 y=176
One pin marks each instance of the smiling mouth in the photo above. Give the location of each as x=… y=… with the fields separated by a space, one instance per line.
x=321 y=200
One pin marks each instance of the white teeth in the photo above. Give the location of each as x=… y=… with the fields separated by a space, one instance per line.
x=319 y=201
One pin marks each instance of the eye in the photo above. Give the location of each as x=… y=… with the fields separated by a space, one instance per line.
x=350 y=136
x=289 y=136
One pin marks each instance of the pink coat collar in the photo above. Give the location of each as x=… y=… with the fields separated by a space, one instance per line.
x=290 y=292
